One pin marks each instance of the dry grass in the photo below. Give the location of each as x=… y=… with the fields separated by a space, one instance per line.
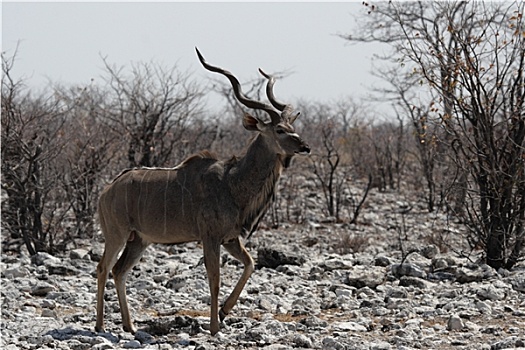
x=350 y=243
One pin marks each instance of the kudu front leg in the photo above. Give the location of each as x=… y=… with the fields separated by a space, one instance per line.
x=212 y=263
x=109 y=258
x=129 y=258
x=239 y=252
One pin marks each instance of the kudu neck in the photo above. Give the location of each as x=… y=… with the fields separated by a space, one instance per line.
x=260 y=160
x=256 y=174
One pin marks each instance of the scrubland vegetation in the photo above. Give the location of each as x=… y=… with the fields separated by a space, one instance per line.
x=455 y=135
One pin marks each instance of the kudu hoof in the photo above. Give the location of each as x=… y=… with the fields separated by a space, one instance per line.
x=213 y=330
x=132 y=329
x=222 y=315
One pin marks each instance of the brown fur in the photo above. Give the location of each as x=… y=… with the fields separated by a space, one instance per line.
x=202 y=199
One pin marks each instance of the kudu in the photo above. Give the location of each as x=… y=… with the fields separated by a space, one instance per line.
x=202 y=199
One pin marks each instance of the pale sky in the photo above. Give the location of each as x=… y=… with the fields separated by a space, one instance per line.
x=64 y=42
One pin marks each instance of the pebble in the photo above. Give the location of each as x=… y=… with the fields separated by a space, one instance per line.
x=408 y=269
x=79 y=254
x=42 y=289
x=348 y=327
x=49 y=313
x=15 y=272
x=455 y=323
x=132 y=344
x=490 y=292
x=302 y=341
x=365 y=276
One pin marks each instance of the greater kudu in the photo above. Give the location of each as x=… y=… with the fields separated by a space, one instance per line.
x=202 y=199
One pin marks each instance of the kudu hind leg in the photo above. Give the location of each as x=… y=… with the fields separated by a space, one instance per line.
x=107 y=261
x=212 y=263
x=129 y=258
x=238 y=251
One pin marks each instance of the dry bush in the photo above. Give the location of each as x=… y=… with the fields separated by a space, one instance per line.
x=462 y=67
x=350 y=242
x=33 y=138
x=152 y=107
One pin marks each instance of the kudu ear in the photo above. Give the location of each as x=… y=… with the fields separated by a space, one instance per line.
x=251 y=123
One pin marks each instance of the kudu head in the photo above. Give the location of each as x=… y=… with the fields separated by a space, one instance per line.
x=279 y=131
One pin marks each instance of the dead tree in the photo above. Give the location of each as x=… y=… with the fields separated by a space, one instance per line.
x=469 y=57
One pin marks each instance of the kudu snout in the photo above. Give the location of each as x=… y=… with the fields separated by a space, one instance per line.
x=305 y=149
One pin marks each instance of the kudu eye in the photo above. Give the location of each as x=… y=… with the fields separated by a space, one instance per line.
x=280 y=131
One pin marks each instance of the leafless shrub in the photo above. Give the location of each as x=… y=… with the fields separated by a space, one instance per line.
x=389 y=144
x=32 y=140
x=468 y=58
x=440 y=240
x=153 y=108
x=350 y=242
x=327 y=162
x=84 y=162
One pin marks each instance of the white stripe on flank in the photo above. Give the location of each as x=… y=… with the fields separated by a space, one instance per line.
x=128 y=214
x=160 y=168
x=166 y=203
x=138 y=201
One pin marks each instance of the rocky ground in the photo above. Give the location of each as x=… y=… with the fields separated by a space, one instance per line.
x=318 y=285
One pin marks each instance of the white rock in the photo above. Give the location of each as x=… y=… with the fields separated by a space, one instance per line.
x=79 y=254
x=132 y=344
x=380 y=346
x=302 y=341
x=483 y=307
x=49 y=313
x=265 y=304
x=42 y=258
x=48 y=304
x=42 y=288
x=348 y=326
x=16 y=272
x=144 y=337
x=343 y=292
x=407 y=269
x=455 y=323
x=488 y=291
x=143 y=284
x=330 y=343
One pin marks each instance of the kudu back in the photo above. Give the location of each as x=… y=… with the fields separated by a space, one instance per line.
x=202 y=199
